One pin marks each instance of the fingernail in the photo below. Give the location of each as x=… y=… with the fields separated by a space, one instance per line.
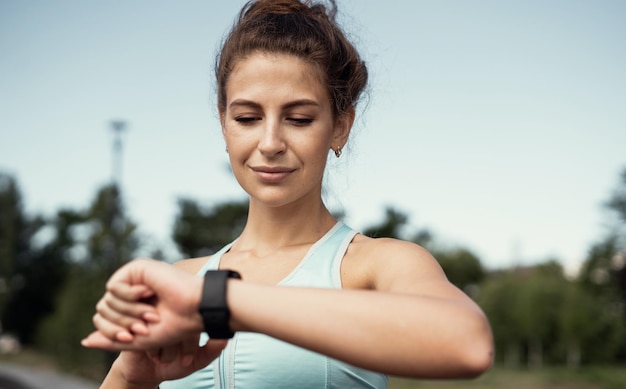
x=139 y=328
x=124 y=336
x=151 y=317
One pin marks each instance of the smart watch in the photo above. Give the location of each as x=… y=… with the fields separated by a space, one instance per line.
x=213 y=308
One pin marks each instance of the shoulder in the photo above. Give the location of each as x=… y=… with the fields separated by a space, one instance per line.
x=390 y=264
x=363 y=245
x=191 y=265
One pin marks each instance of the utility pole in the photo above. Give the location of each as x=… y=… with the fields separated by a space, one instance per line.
x=118 y=127
x=115 y=212
x=115 y=220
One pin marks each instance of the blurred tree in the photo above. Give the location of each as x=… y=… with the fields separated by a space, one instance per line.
x=617 y=205
x=540 y=299
x=576 y=330
x=500 y=299
x=200 y=231
x=617 y=201
x=596 y=272
x=390 y=227
x=112 y=235
x=462 y=268
x=603 y=274
x=30 y=274
x=393 y=225
x=95 y=242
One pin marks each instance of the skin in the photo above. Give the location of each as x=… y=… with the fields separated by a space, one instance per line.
x=279 y=128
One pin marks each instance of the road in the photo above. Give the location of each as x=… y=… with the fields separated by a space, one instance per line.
x=20 y=377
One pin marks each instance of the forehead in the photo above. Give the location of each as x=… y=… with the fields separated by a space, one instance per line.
x=262 y=77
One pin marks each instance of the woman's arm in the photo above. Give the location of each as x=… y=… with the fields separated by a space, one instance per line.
x=414 y=323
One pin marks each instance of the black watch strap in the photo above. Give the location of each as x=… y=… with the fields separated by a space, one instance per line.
x=213 y=308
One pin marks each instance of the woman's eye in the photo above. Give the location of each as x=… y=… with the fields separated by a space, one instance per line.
x=245 y=120
x=300 y=121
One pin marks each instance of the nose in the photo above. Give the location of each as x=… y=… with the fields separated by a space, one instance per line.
x=272 y=140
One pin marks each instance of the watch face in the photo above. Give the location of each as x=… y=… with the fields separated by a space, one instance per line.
x=213 y=309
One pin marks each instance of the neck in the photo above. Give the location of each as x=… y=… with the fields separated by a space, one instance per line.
x=269 y=228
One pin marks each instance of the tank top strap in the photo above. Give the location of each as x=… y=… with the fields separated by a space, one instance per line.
x=213 y=263
x=321 y=266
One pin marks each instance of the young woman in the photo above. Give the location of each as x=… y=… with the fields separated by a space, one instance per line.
x=319 y=305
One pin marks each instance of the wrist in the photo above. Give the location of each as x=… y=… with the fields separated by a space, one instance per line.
x=213 y=305
x=117 y=378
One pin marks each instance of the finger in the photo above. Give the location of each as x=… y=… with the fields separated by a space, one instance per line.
x=98 y=340
x=115 y=312
x=134 y=308
x=207 y=353
x=128 y=292
x=111 y=330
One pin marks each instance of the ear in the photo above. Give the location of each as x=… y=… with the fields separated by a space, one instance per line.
x=343 y=125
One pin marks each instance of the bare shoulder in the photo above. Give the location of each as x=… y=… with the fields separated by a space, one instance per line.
x=191 y=265
x=390 y=264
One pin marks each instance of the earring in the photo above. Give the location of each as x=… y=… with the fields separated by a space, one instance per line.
x=226 y=149
x=338 y=152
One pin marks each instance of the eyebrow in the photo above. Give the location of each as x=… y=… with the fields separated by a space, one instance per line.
x=291 y=104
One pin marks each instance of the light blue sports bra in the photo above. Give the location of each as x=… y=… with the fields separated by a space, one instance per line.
x=257 y=361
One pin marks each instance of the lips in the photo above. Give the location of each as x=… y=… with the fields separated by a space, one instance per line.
x=272 y=173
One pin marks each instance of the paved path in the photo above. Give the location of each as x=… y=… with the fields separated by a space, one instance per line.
x=20 y=377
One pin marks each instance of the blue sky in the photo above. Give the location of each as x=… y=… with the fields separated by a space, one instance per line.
x=498 y=125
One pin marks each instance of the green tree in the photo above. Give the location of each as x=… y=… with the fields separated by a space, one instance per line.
x=390 y=227
x=200 y=231
x=576 y=330
x=462 y=267
x=95 y=242
x=617 y=205
x=541 y=296
x=500 y=298
x=30 y=274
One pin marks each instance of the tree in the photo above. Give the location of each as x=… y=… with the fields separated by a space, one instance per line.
x=499 y=297
x=390 y=227
x=393 y=224
x=462 y=267
x=31 y=275
x=541 y=296
x=200 y=231
x=617 y=205
x=576 y=330
x=94 y=242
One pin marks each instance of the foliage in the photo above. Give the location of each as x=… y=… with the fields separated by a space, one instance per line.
x=54 y=270
x=549 y=317
x=462 y=267
x=95 y=242
x=200 y=231
x=60 y=334
x=390 y=227
x=597 y=377
x=31 y=275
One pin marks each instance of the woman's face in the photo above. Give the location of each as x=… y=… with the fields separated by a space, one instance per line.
x=278 y=126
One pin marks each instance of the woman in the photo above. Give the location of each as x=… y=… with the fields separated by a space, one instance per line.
x=319 y=305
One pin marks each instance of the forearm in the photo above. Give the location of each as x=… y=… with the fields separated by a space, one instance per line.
x=396 y=334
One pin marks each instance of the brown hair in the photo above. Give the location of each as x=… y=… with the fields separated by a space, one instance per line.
x=304 y=29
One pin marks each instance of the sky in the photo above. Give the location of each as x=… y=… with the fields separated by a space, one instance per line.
x=499 y=126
